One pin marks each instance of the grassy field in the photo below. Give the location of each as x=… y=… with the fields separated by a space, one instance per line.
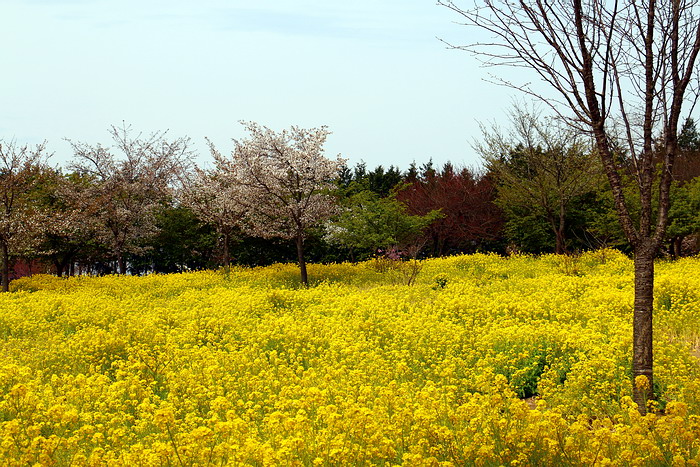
x=483 y=361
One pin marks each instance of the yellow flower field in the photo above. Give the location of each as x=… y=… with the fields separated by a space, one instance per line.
x=484 y=361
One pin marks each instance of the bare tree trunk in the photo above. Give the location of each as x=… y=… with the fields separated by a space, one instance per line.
x=559 y=243
x=435 y=247
x=642 y=360
x=59 y=268
x=227 y=253
x=557 y=225
x=677 y=247
x=121 y=264
x=559 y=247
x=560 y=233
x=5 y=268
x=302 y=261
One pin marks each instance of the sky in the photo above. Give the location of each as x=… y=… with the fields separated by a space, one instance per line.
x=374 y=71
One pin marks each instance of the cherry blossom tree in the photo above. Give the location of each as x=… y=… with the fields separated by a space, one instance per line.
x=284 y=182
x=127 y=191
x=73 y=221
x=21 y=171
x=216 y=200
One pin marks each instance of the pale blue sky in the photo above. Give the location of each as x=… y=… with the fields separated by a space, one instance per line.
x=372 y=70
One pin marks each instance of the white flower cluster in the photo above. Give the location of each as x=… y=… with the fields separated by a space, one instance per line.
x=122 y=194
x=275 y=184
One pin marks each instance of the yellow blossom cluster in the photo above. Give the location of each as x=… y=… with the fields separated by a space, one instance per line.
x=483 y=361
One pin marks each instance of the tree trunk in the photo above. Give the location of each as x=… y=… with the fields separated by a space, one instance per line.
x=302 y=262
x=561 y=237
x=642 y=360
x=677 y=248
x=557 y=226
x=5 y=268
x=59 y=267
x=560 y=247
x=227 y=253
x=121 y=264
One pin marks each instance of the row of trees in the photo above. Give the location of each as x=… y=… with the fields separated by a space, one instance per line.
x=552 y=187
x=141 y=205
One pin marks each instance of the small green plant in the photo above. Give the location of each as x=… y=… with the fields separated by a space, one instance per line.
x=440 y=281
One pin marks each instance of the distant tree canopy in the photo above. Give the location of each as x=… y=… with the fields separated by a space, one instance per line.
x=540 y=167
x=369 y=222
x=125 y=192
x=22 y=170
x=140 y=206
x=469 y=219
x=687 y=166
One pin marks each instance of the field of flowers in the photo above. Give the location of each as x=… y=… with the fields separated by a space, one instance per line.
x=483 y=361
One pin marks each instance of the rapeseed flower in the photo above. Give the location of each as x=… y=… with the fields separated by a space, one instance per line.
x=509 y=362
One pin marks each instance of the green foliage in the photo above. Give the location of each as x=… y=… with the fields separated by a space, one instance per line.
x=684 y=214
x=182 y=243
x=602 y=221
x=541 y=168
x=369 y=222
x=689 y=138
x=440 y=281
x=379 y=181
x=528 y=231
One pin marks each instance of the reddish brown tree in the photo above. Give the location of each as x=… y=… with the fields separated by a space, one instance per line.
x=465 y=200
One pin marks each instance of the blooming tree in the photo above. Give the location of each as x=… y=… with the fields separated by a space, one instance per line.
x=215 y=199
x=72 y=219
x=21 y=170
x=283 y=181
x=125 y=192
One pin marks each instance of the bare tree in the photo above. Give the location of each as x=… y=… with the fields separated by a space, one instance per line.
x=620 y=71
x=540 y=165
x=21 y=170
x=124 y=193
x=283 y=181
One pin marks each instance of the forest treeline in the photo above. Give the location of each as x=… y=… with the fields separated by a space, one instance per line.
x=140 y=205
